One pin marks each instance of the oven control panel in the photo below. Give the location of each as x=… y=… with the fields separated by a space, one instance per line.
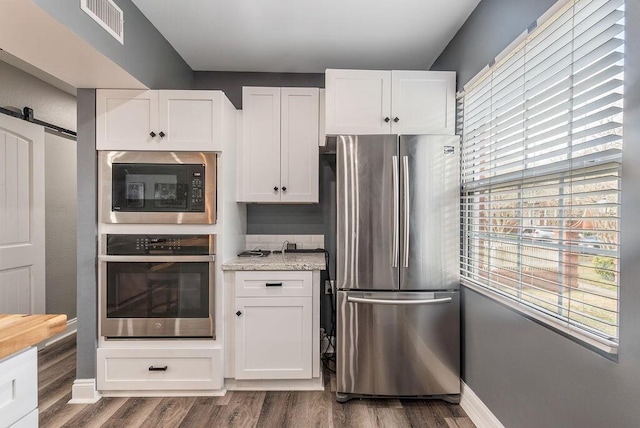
x=127 y=245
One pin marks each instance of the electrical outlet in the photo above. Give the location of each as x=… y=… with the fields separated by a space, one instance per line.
x=328 y=286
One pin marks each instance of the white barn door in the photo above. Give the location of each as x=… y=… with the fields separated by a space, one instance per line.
x=22 y=257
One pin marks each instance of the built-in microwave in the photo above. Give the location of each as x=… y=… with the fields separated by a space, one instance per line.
x=158 y=187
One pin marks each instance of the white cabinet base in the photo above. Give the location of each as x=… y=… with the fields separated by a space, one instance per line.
x=265 y=291
x=273 y=338
x=165 y=393
x=315 y=384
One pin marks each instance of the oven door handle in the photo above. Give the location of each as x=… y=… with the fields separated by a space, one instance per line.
x=159 y=259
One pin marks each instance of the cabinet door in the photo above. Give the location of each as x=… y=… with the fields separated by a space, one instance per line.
x=273 y=338
x=187 y=120
x=125 y=120
x=18 y=386
x=260 y=144
x=299 y=144
x=423 y=102
x=358 y=102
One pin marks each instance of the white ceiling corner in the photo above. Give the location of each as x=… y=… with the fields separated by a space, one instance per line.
x=307 y=36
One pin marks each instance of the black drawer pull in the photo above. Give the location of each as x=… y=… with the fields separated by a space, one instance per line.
x=274 y=284
x=158 y=369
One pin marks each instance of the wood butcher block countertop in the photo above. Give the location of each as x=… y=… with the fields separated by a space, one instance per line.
x=18 y=332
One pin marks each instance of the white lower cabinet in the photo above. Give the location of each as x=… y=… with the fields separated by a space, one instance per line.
x=19 y=389
x=29 y=421
x=274 y=325
x=158 y=369
x=273 y=338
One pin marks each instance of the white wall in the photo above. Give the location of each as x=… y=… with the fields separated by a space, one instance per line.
x=19 y=89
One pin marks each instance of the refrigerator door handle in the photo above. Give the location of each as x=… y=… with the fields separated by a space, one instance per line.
x=398 y=302
x=396 y=214
x=405 y=196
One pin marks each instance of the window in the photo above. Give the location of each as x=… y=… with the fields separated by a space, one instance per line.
x=542 y=144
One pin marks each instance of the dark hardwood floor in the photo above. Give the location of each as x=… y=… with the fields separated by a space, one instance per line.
x=57 y=365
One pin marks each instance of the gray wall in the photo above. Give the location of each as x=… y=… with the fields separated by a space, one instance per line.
x=488 y=30
x=17 y=90
x=231 y=83
x=87 y=236
x=528 y=375
x=146 y=54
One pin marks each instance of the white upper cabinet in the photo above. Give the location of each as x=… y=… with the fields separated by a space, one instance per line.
x=384 y=102
x=279 y=159
x=299 y=144
x=357 y=102
x=423 y=102
x=188 y=119
x=160 y=120
x=125 y=119
x=260 y=159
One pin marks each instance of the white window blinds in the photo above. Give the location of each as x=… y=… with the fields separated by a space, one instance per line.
x=542 y=141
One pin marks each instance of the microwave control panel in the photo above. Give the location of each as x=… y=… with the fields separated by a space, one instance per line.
x=197 y=190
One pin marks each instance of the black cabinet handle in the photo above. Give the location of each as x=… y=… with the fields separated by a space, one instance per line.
x=275 y=188
x=153 y=134
x=386 y=119
x=284 y=189
x=238 y=313
x=273 y=284
x=158 y=369
x=162 y=134
x=395 y=119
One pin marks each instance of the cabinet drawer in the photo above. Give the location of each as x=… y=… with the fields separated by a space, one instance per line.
x=273 y=284
x=159 y=369
x=18 y=386
x=29 y=421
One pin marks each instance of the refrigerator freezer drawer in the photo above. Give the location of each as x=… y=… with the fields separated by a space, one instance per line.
x=398 y=343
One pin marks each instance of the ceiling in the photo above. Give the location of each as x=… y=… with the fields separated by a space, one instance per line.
x=306 y=36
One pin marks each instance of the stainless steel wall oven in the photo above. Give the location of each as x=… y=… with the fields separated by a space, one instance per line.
x=158 y=187
x=157 y=286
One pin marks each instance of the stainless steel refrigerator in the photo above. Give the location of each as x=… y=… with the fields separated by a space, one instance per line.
x=398 y=316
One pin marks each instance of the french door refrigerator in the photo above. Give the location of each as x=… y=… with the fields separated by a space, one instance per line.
x=398 y=316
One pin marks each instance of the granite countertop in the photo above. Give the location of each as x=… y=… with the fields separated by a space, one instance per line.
x=18 y=332
x=287 y=261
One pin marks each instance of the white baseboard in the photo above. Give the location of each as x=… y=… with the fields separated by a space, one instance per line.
x=315 y=384
x=165 y=393
x=477 y=411
x=72 y=328
x=84 y=392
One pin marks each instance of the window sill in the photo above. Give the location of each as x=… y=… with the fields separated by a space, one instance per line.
x=602 y=346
